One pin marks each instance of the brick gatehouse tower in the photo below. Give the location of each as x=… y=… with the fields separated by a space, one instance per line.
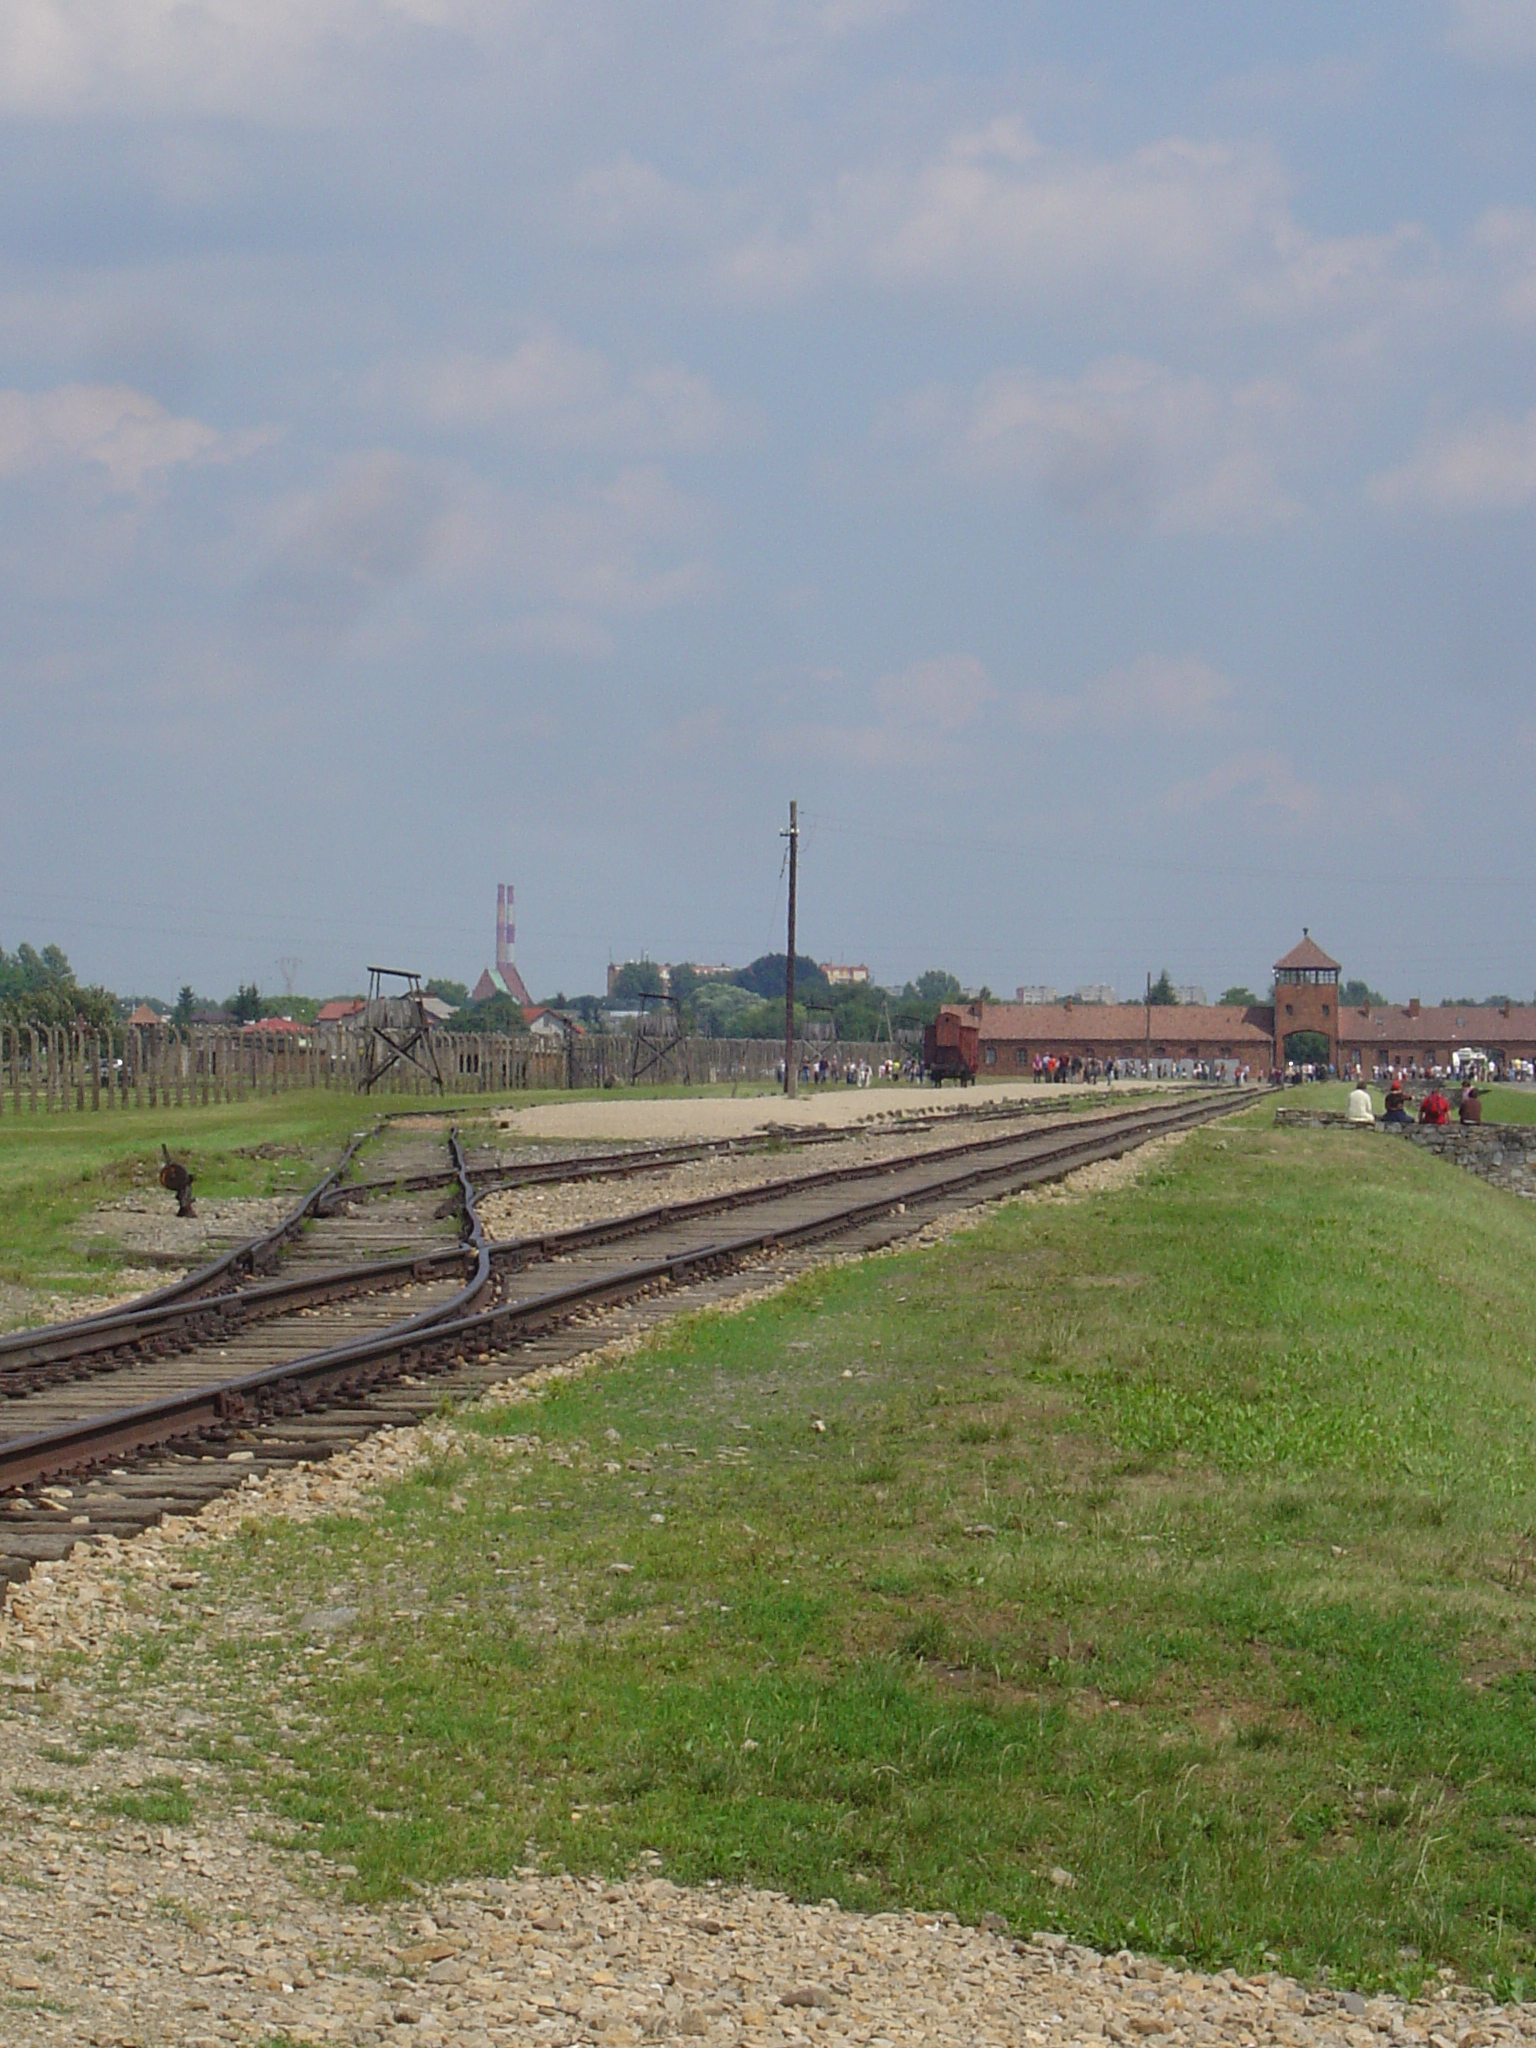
x=1307 y=997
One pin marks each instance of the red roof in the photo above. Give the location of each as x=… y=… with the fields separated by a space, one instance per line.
x=340 y=1009
x=1307 y=954
x=273 y=1024
x=1052 y=1025
x=1446 y=1024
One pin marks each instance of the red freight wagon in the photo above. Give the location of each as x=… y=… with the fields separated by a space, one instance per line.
x=951 y=1049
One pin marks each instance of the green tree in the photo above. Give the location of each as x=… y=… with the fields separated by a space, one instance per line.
x=936 y=987
x=1238 y=994
x=186 y=1003
x=40 y=989
x=1163 y=993
x=1354 y=995
x=245 y=1004
x=496 y=1013
x=766 y=976
x=1304 y=1046
x=637 y=978
x=454 y=993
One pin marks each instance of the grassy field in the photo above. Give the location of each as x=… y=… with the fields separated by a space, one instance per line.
x=1155 y=1567
x=1501 y=1105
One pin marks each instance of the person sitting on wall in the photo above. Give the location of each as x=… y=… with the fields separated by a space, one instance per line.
x=1470 y=1108
x=1396 y=1104
x=1359 y=1109
x=1434 y=1109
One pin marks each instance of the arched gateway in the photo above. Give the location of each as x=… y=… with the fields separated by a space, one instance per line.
x=1307 y=997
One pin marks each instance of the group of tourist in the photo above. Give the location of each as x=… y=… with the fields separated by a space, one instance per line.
x=818 y=1073
x=1434 y=1106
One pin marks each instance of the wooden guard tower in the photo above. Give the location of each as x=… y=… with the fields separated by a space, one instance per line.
x=1307 y=996
x=398 y=1027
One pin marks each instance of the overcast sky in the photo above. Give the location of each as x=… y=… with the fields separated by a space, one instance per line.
x=1086 y=455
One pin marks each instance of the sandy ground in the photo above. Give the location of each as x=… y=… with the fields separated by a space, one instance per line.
x=620 y=1117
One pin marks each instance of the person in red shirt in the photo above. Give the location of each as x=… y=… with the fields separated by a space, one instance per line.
x=1434 y=1109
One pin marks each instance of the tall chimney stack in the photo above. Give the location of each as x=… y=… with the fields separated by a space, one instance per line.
x=511 y=926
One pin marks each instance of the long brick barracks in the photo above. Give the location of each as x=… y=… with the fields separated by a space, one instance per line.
x=1011 y=1035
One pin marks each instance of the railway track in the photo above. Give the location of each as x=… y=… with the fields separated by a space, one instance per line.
x=622 y=1163
x=106 y=1443
x=209 y=1306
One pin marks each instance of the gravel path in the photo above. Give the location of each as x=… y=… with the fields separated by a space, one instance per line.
x=618 y=1117
x=117 y=1932
x=521 y=1212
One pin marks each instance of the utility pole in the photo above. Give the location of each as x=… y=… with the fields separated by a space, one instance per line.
x=793 y=836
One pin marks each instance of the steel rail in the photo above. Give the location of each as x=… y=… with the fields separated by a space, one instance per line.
x=622 y=1165
x=436 y=1337
x=215 y=1317
x=555 y=1244
x=251 y=1255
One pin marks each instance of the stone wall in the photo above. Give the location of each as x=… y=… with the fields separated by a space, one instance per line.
x=1502 y=1153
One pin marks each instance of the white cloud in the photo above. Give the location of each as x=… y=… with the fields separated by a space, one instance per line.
x=1262 y=779
x=921 y=714
x=1204 y=229
x=334 y=552
x=1125 y=444
x=107 y=428
x=253 y=57
x=996 y=203
x=1152 y=694
x=1505 y=238
x=1488 y=466
x=570 y=636
x=629 y=206
x=1494 y=31
x=557 y=392
x=624 y=548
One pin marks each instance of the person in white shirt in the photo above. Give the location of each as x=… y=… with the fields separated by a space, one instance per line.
x=1358 y=1109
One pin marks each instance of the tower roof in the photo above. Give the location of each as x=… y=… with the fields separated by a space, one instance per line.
x=1307 y=954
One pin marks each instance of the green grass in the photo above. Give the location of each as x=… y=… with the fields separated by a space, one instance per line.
x=1501 y=1104
x=1183 y=1539
x=159 y=1802
x=55 y=1169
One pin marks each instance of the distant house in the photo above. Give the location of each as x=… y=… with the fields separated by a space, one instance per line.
x=340 y=1010
x=144 y=1015
x=547 y=1023
x=501 y=981
x=841 y=975
x=437 y=1009
x=275 y=1027
x=213 y=1020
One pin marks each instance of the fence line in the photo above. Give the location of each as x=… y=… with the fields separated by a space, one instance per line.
x=50 y=1068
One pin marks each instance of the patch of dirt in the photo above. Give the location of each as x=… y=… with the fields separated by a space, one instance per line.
x=146 y=1226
